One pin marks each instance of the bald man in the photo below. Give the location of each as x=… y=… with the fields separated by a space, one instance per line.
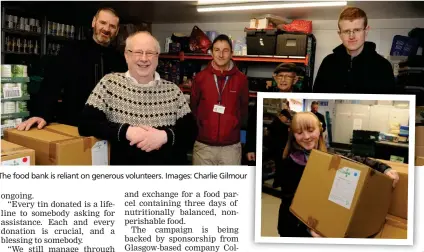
x=76 y=70
x=145 y=118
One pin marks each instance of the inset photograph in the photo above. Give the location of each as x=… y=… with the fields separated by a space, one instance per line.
x=335 y=166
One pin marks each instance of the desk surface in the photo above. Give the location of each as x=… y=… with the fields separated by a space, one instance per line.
x=402 y=145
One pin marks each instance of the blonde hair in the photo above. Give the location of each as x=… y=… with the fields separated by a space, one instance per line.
x=303 y=121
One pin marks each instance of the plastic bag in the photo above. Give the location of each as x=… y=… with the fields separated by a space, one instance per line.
x=199 y=42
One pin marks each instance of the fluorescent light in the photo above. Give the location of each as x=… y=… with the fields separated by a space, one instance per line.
x=269 y=6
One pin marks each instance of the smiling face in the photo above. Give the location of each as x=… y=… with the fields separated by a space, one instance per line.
x=221 y=53
x=285 y=81
x=306 y=130
x=353 y=34
x=141 y=54
x=105 y=27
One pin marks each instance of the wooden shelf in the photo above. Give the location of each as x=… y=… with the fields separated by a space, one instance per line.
x=246 y=58
x=23 y=33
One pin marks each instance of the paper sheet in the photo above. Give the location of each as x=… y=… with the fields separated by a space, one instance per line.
x=344 y=186
x=99 y=153
x=357 y=124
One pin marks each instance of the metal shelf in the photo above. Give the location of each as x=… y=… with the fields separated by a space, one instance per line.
x=59 y=38
x=22 y=98
x=15 y=115
x=23 y=33
x=15 y=79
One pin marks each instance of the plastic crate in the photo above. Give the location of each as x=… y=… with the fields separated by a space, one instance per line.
x=404 y=46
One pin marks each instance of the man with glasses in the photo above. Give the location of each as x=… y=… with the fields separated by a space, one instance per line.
x=76 y=70
x=285 y=75
x=219 y=101
x=145 y=118
x=354 y=66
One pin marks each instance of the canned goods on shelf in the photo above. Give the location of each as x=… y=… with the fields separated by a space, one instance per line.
x=9 y=122
x=21 y=106
x=18 y=121
x=9 y=107
x=6 y=70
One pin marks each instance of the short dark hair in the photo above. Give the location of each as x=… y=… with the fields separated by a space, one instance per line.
x=286 y=113
x=111 y=10
x=286 y=67
x=222 y=37
x=314 y=103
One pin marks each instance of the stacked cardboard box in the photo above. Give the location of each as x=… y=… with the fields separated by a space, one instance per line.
x=16 y=155
x=395 y=226
x=338 y=197
x=59 y=144
x=419 y=145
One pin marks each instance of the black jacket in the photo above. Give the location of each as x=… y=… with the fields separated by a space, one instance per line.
x=76 y=70
x=367 y=73
x=321 y=118
x=288 y=176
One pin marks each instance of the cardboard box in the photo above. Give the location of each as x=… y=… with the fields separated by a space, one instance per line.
x=419 y=151
x=399 y=203
x=419 y=161
x=60 y=144
x=419 y=136
x=16 y=155
x=338 y=197
x=394 y=228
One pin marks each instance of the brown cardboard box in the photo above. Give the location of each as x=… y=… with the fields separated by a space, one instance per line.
x=399 y=203
x=13 y=154
x=419 y=151
x=60 y=144
x=362 y=195
x=419 y=161
x=394 y=228
x=419 y=136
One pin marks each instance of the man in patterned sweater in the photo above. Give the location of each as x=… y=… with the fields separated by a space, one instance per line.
x=146 y=119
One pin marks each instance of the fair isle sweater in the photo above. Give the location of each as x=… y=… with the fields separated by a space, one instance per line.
x=118 y=102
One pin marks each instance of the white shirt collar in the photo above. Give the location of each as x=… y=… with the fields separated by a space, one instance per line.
x=150 y=84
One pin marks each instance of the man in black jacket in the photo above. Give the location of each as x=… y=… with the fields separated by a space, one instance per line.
x=321 y=118
x=77 y=70
x=354 y=66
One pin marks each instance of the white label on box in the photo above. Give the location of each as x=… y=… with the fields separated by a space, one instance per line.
x=344 y=186
x=357 y=124
x=99 y=153
x=22 y=161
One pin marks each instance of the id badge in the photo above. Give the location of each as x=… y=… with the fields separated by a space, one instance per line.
x=218 y=109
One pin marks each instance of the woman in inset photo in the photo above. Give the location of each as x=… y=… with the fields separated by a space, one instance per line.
x=305 y=135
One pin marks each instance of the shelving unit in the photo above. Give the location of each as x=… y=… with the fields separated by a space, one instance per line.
x=20 y=97
x=307 y=62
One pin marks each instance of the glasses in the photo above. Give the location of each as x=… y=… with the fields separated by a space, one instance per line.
x=347 y=33
x=282 y=77
x=139 y=54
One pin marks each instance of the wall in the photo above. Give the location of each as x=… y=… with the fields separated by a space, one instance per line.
x=382 y=33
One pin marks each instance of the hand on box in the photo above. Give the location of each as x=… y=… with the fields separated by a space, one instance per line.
x=251 y=156
x=315 y=235
x=149 y=139
x=393 y=175
x=26 y=125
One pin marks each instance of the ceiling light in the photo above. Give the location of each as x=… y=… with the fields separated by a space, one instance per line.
x=261 y=6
